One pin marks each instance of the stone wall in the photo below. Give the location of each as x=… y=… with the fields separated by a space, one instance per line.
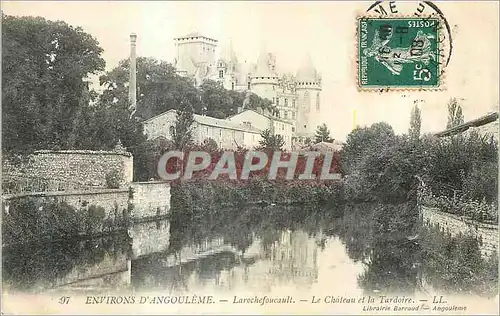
x=150 y=200
x=454 y=224
x=77 y=168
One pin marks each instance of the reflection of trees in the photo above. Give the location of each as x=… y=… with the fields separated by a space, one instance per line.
x=150 y=274
x=393 y=261
x=25 y=266
x=355 y=230
x=378 y=235
x=455 y=263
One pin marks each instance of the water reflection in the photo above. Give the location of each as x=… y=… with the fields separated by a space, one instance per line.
x=370 y=248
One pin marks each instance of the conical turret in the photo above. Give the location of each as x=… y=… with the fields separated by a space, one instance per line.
x=263 y=69
x=307 y=73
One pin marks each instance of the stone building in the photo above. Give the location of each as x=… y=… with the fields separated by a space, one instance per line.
x=227 y=134
x=297 y=98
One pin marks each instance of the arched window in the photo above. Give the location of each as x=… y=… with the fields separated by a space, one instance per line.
x=232 y=85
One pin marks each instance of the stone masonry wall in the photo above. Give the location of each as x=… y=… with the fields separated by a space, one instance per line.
x=149 y=200
x=82 y=167
x=455 y=224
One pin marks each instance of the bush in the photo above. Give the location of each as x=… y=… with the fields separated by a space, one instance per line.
x=114 y=178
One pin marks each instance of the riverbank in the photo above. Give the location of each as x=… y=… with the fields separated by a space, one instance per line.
x=254 y=192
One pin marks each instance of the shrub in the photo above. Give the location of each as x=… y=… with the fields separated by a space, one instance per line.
x=114 y=178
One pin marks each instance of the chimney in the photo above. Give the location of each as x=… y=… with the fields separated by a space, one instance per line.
x=132 y=89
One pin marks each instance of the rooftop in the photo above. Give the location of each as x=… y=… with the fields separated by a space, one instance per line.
x=483 y=120
x=212 y=121
x=195 y=35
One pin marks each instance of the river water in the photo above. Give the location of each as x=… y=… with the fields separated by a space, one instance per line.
x=342 y=252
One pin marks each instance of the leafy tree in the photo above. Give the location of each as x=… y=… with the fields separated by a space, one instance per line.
x=183 y=126
x=221 y=103
x=362 y=141
x=271 y=141
x=45 y=87
x=159 y=88
x=323 y=134
x=455 y=115
x=210 y=145
x=415 y=123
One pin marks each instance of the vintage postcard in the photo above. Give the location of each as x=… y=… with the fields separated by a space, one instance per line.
x=244 y=157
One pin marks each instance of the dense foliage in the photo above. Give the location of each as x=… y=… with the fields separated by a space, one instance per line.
x=458 y=173
x=45 y=88
x=31 y=219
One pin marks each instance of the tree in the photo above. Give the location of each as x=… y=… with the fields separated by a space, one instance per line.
x=455 y=115
x=415 y=123
x=159 y=88
x=183 y=126
x=45 y=85
x=221 y=103
x=323 y=134
x=271 y=141
x=363 y=140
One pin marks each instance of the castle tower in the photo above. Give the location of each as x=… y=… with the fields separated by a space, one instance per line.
x=228 y=68
x=195 y=55
x=264 y=80
x=309 y=98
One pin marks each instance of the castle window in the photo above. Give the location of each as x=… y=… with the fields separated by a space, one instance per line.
x=286 y=102
x=286 y=115
x=277 y=101
x=293 y=129
x=232 y=85
x=293 y=115
x=274 y=100
x=317 y=102
x=305 y=126
x=221 y=73
x=171 y=130
x=248 y=85
x=293 y=103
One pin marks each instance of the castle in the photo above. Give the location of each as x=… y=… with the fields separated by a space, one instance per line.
x=298 y=98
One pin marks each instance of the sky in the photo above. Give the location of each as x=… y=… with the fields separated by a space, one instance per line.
x=290 y=30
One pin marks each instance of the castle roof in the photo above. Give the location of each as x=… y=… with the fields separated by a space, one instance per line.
x=307 y=72
x=263 y=69
x=185 y=63
x=228 y=54
x=195 y=35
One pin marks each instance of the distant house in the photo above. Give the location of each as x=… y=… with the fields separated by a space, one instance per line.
x=484 y=125
x=227 y=134
x=263 y=121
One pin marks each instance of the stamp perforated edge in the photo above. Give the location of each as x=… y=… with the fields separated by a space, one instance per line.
x=441 y=60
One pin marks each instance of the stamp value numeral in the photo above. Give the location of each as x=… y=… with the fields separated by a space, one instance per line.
x=419 y=72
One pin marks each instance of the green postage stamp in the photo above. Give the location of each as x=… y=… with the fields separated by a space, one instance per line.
x=398 y=53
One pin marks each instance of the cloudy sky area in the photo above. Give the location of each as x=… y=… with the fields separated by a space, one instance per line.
x=290 y=30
